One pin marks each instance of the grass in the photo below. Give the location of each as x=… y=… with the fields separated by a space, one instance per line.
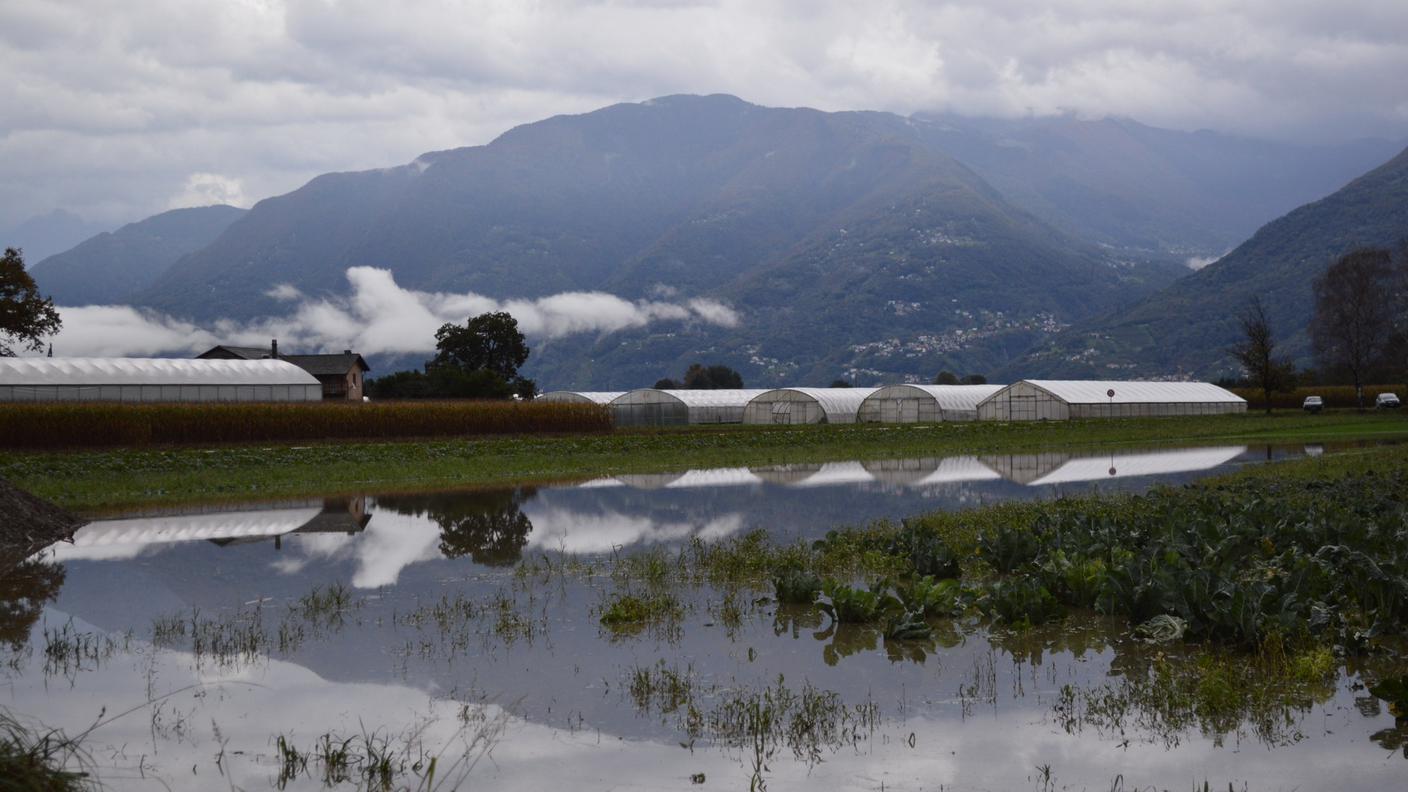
x=100 y=480
x=97 y=425
x=38 y=760
x=1334 y=395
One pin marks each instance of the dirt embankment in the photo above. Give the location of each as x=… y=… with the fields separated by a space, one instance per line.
x=28 y=524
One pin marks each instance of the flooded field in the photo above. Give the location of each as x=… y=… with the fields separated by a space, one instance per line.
x=562 y=636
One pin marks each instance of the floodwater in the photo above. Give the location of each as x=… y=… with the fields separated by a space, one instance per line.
x=349 y=642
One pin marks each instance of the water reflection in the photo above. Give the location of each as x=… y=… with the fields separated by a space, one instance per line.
x=442 y=636
x=487 y=527
x=493 y=528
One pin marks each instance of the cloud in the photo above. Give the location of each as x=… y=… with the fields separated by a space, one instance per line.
x=1198 y=262
x=377 y=316
x=109 y=113
x=208 y=189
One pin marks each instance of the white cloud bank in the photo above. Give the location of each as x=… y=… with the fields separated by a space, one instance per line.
x=378 y=316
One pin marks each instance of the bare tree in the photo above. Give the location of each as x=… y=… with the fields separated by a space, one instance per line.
x=1257 y=352
x=1354 y=314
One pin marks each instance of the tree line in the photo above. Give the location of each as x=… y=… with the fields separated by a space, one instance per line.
x=1359 y=330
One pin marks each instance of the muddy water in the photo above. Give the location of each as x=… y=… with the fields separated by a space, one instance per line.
x=406 y=624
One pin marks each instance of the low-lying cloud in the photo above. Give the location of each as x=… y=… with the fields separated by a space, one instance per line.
x=377 y=316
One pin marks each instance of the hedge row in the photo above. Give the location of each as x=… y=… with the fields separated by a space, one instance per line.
x=87 y=425
x=1334 y=396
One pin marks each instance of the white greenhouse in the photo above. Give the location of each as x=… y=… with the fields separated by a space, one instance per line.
x=154 y=380
x=1059 y=400
x=580 y=397
x=924 y=403
x=806 y=405
x=653 y=407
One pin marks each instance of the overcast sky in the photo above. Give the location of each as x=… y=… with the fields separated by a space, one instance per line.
x=117 y=109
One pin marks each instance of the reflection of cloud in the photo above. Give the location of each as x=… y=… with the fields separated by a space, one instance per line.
x=575 y=532
x=389 y=543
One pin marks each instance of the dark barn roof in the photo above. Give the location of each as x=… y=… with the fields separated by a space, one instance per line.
x=247 y=353
x=317 y=365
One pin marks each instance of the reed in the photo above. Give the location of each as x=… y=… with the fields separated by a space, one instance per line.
x=96 y=425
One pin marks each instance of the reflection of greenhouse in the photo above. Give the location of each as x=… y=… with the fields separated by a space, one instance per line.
x=1027 y=469
x=924 y=403
x=806 y=406
x=130 y=536
x=653 y=407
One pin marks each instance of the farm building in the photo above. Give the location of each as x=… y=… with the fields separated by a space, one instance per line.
x=653 y=407
x=154 y=380
x=806 y=405
x=341 y=375
x=1059 y=400
x=579 y=397
x=924 y=403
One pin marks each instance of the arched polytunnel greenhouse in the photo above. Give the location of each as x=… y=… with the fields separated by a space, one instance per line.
x=154 y=380
x=806 y=405
x=579 y=397
x=655 y=407
x=1060 y=400
x=924 y=403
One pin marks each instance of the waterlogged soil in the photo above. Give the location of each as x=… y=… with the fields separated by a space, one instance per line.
x=458 y=641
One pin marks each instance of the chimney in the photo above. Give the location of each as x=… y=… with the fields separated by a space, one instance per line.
x=346 y=351
x=274 y=349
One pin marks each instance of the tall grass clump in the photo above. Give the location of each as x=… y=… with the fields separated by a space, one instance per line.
x=91 y=425
x=38 y=761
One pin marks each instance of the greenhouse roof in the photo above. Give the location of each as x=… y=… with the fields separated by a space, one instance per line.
x=150 y=371
x=832 y=400
x=949 y=397
x=599 y=397
x=1097 y=391
x=723 y=397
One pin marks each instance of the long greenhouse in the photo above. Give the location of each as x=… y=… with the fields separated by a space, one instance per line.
x=580 y=397
x=924 y=403
x=154 y=380
x=806 y=405
x=1060 y=400
x=655 y=407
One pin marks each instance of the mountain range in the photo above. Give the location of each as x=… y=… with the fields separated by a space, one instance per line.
x=857 y=244
x=1184 y=329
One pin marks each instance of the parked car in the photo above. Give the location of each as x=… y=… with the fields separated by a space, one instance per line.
x=1386 y=401
x=1313 y=404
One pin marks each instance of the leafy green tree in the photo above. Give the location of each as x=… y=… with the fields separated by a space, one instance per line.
x=666 y=384
x=1257 y=353
x=946 y=378
x=975 y=379
x=718 y=377
x=488 y=350
x=26 y=318
x=840 y=383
